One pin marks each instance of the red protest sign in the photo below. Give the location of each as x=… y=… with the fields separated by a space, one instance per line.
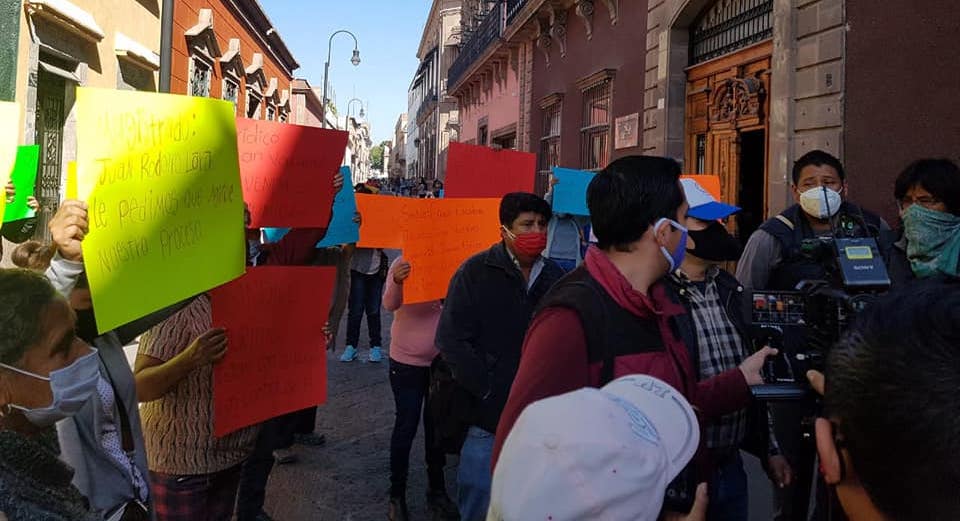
x=475 y=171
x=276 y=359
x=287 y=172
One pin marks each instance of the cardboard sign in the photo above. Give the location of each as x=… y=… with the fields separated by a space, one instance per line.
x=287 y=172
x=9 y=120
x=70 y=190
x=439 y=234
x=342 y=229
x=160 y=175
x=381 y=217
x=24 y=179
x=475 y=171
x=570 y=192
x=710 y=183
x=276 y=361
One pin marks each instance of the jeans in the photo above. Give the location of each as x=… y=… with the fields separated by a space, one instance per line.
x=728 y=491
x=791 y=503
x=411 y=386
x=274 y=434
x=366 y=294
x=473 y=475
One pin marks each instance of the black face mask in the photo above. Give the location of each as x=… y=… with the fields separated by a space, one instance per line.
x=86 y=325
x=714 y=243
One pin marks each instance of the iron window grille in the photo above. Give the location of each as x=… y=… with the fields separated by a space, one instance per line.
x=728 y=26
x=199 y=77
x=595 y=130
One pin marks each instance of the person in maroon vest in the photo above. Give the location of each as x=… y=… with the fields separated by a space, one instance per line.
x=612 y=316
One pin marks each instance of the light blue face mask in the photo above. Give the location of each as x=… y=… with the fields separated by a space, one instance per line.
x=933 y=241
x=72 y=386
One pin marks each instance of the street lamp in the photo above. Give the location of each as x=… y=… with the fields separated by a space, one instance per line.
x=355 y=60
x=350 y=103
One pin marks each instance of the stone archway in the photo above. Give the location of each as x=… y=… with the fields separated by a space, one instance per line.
x=665 y=115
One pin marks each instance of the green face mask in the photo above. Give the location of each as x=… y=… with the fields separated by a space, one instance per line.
x=933 y=241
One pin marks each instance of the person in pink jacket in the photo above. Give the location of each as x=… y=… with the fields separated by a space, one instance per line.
x=412 y=351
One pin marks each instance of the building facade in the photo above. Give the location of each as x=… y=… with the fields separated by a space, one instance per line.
x=737 y=88
x=359 y=143
x=305 y=105
x=63 y=44
x=398 y=152
x=432 y=114
x=229 y=49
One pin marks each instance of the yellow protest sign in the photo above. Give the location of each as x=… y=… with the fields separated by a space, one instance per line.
x=9 y=119
x=70 y=190
x=161 y=179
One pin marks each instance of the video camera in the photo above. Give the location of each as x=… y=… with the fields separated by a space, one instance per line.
x=805 y=323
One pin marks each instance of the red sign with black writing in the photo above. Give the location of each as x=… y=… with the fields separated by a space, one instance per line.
x=287 y=172
x=276 y=359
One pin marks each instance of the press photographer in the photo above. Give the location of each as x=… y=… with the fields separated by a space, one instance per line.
x=780 y=255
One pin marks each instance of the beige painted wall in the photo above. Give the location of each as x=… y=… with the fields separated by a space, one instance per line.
x=136 y=19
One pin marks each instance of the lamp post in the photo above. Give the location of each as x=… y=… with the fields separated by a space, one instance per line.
x=355 y=60
x=350 y=103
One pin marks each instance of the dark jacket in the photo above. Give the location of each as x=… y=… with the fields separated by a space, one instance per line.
x=737 y=304
x=484 y=319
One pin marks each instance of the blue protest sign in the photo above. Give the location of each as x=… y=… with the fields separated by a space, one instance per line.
x=273 y=234
x=342 y=229
x=570 y=192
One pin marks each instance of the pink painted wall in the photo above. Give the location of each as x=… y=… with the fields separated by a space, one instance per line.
x=501 y=106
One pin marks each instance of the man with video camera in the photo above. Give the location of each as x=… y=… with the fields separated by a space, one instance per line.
x=782 y=254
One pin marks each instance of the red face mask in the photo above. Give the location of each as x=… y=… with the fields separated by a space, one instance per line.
x=529 y=244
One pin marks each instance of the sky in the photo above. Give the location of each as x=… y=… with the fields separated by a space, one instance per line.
x=388 y=32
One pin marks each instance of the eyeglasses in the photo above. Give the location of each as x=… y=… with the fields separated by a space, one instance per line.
x=928 y=202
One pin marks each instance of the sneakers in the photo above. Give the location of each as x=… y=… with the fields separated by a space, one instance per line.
x=376 y=355
x=284 y=456
x=442 y=507
x=262 y=516
x=311 y=440
x=349 y=354
x=398 y=509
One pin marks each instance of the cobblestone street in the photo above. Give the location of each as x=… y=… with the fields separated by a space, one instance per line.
x=348 y=478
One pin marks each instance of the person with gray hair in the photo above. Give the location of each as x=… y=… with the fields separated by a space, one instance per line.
x=46 y=375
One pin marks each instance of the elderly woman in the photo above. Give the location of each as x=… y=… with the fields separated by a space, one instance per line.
x=46 y=374
x=928 y=195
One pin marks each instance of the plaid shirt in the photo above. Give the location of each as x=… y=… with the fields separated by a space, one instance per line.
x=721 y=348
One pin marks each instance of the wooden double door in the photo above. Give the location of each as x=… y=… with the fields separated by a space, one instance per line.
x=727 y=127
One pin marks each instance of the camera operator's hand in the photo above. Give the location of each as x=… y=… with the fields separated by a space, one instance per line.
x=780 y=471
x=697 y=513
x=817 y=381
x=752 y=366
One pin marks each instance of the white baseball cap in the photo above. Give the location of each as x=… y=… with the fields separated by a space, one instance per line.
x=702 y=204
x=599 y=454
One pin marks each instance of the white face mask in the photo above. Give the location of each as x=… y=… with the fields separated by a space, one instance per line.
x=821 y=202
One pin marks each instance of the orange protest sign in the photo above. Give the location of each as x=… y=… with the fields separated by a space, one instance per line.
x=381 y=221
x=276 y=362
x=439 y=234
x=710 y=183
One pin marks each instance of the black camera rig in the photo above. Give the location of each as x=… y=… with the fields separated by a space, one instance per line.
x=804 y=324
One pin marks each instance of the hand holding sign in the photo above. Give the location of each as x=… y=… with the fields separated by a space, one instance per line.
x=68 y=228
x=160 y=175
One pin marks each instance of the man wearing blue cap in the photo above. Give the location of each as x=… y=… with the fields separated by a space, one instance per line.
x=716 y=331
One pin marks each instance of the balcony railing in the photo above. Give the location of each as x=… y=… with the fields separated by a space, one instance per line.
x=489 y=30
x=512 y=8
x=427 y=105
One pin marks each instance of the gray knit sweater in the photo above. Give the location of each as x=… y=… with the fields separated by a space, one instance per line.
x=34 y=484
